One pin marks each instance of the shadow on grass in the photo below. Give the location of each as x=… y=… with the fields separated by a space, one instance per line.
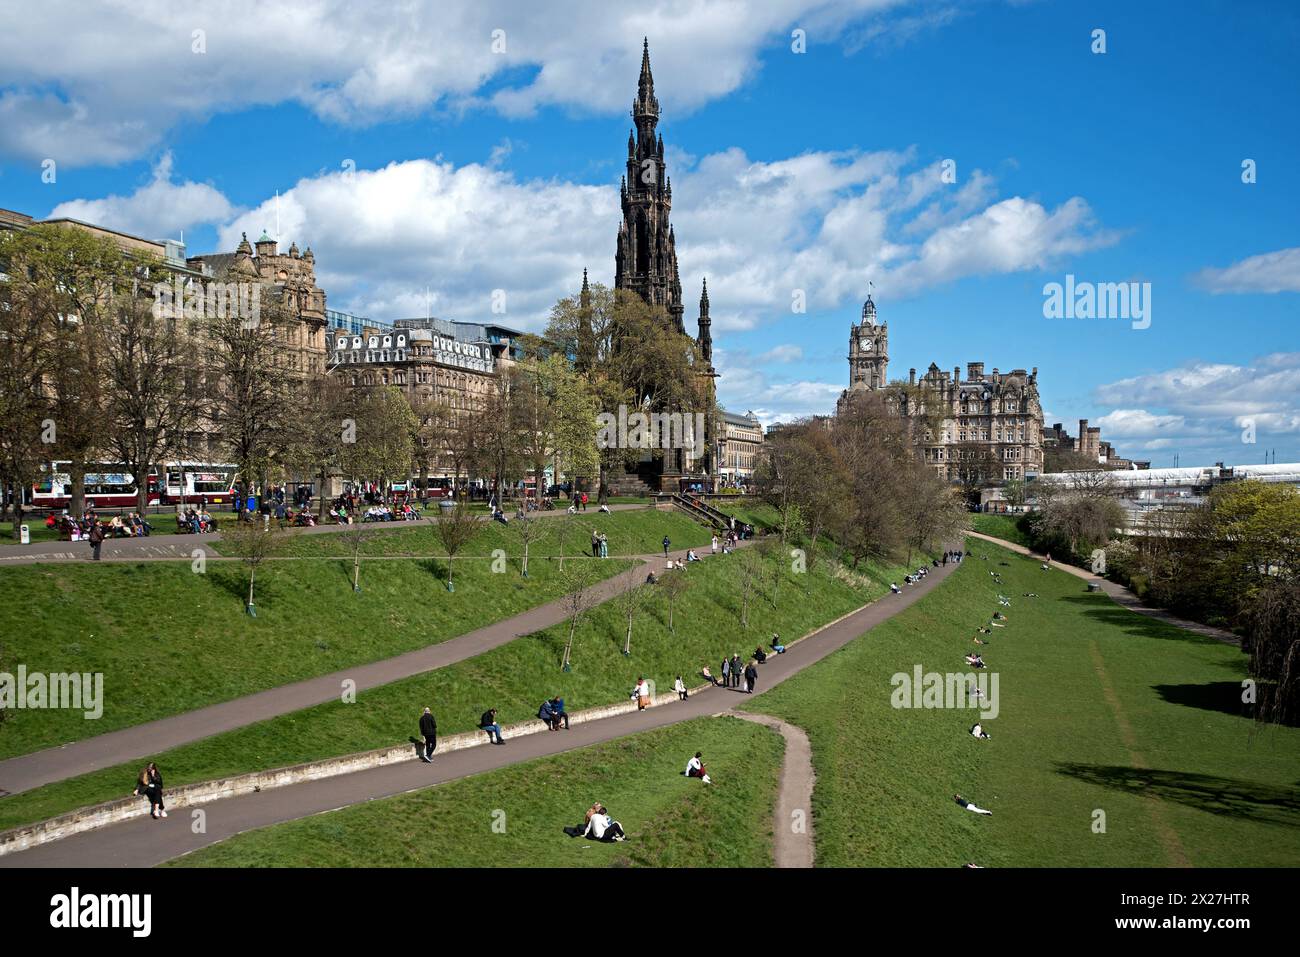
x=1230 y=797
x=1105 y=612
x=1221 y=696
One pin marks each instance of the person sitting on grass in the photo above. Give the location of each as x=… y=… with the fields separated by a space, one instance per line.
x=961 y=801
x=974 y=660
x=695 y=769
x=691 y=556
x=680 y=687
x=760 y=655
x=602 y=827
x=777 y=646
x=979 y=732
x=893 y=586
x=708 y=676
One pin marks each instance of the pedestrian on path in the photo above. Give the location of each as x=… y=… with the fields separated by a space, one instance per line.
x=97 y=539
x=736 y=670
x=429 y=731
x=642 y=694
x=725 y=671
x=488 y=723
x=150 y=785
x=713 y=545
x=751 y=678
x=680 y=687
x=666 y=544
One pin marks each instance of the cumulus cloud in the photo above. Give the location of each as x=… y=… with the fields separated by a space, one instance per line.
x=105 y=82
x=1277 y=271
x=1214 y=410
x=157 y=210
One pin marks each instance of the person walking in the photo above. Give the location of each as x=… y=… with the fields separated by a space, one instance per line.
x=642 y=693
x=751 y=678
x=584 y=501
x=725 y=671
x=429 y=731
x=96 y=539
x=666 y=544
x=713 y=544
x=736 y=670
x=150 y=785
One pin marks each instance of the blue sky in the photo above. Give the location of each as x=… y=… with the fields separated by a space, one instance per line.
x=478 y=170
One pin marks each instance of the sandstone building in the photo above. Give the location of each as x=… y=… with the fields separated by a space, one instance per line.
x=989 y=426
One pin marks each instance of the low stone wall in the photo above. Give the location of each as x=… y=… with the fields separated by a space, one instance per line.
x=204 y=792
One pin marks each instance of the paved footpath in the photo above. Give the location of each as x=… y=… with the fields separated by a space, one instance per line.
x=29 y=771
x=1120 y=595
x=172 y=548
x=792 y=824
x=144 y=842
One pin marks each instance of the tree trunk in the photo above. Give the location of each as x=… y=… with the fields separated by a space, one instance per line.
x=252 y=575
x=627 y=643
x=141 y=474
x=77 y=497
x=320 y=510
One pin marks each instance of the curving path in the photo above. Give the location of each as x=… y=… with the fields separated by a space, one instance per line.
x=792 y=824
x=143 y=842
x=1119 y=594
x=108 y=750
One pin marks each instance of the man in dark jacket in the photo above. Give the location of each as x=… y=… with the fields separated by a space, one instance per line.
x=488 y=723
x=96 y=538
x=429 y=730
x=751 y=675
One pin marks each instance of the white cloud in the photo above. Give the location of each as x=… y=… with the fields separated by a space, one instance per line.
x=1207 y=411
x=158 y=210
x=105 y=82
x=786 y=352
x=1268 y=272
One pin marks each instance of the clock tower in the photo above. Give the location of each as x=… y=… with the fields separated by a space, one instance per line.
x=868 y=350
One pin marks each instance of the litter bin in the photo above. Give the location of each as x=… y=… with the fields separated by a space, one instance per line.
x=24 y=535
x=1094 y=586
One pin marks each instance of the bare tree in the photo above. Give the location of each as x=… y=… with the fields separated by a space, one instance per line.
x=529 y=529
x=674 y=585
x=356 y=535
x=254 y=543
x=629 y=603
x=578 y=599
x=455 y=527
x=751 y=570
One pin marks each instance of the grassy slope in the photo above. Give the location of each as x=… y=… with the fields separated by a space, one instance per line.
x=751 y=511
x=1009 y=528
x=633 y=532
x=513 y=678
x=168 y=640
x=1060 y=749
x=670 y=821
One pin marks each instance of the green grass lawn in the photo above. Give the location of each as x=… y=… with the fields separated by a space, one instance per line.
x=513 y=678
x=1009 y=528
x=635 y=532
x=1100 y=710
x=750 y=511
x=670 y=821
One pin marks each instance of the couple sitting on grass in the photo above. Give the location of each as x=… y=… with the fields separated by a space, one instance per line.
x=599 y=826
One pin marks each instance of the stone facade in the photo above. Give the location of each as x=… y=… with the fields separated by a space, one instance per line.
x=989 y=427
x=739 y=444
x=1090 y=445
x=289 y=278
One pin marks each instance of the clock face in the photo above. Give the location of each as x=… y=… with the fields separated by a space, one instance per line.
x=865 y=343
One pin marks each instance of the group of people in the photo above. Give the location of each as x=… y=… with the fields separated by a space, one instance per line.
x=599 y=545
x=383 y=512
x=736 y=673
x=196 y=521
